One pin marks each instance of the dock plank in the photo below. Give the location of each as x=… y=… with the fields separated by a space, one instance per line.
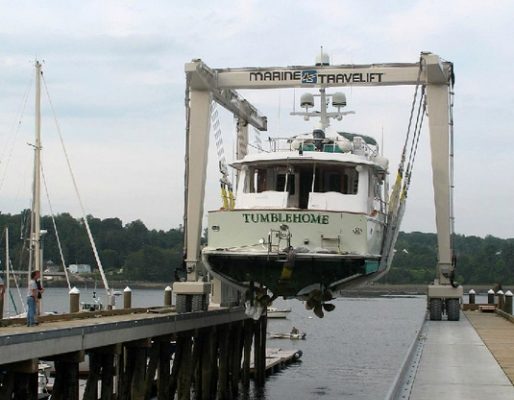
x=277 y=358
x=498 y=335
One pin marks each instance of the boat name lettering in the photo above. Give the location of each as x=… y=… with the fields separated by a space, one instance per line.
x=313 y=77
x=295 y=218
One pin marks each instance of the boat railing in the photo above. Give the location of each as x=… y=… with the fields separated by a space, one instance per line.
x=276 y=237
x=280 y=144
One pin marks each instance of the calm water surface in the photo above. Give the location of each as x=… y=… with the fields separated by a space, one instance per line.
x=352 y=353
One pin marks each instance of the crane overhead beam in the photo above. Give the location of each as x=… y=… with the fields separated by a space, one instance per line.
x=202 y=78
x=434 y=71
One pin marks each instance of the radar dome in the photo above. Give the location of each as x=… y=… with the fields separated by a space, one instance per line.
x=339 y=99
x=307 y=100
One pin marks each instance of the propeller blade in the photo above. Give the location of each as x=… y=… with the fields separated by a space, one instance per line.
x=327 y=295
x=309 y=304
x=265 y=300
x=316 y=294
x=318 y=311
x=329 y=307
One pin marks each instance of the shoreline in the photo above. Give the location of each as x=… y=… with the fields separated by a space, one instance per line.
x=375 y=289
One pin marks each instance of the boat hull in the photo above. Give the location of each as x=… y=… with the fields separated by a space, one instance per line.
x=291 y=278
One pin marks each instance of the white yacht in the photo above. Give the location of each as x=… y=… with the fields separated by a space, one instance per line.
x=309 y=214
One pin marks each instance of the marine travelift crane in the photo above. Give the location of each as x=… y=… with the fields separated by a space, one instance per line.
x=431 y=73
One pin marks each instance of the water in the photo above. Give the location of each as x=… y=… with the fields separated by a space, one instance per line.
x=57 y=299
x=353 y=353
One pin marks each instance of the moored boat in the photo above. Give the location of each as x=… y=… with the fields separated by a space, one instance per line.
x=273 y=312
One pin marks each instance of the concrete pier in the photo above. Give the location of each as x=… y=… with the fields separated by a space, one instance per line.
x=456 y=364
x=135 y=346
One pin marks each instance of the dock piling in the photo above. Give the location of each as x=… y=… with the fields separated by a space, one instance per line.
x=74 y=300
x=508 y=302
x=21 y=381
x=237 y=353
x=196 y=363
x=224 y=342
x=153 y=363
x=164 y=366
x=66 y=384
x=471 y=295
x=208 y=364
x=127 y=298
x=95 y=368
x=167 y=296
x=490 y=296
x=501 y=299
x=260 y=350
x=185 y=368
x=247 y=350
x=137 y=355
x=107 y=376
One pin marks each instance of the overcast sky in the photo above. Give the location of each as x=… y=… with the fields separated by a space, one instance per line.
x=114 y=71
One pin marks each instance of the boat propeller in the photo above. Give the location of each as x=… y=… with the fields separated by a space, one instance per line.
x=257 y=301
x=316 y=301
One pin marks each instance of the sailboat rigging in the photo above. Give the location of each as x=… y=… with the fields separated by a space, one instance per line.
x=34 y=238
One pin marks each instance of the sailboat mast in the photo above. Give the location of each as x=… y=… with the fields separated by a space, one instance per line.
x=7 y=270
x=36 y=195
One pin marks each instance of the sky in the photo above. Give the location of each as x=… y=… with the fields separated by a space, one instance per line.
x=115 y=76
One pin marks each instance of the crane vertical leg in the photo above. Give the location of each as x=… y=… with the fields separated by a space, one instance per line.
x=441 y=295
x=437 y=98
x=196 y=170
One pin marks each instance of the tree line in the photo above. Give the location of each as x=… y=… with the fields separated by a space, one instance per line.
x=486 y=260
x=130 y=251
x=134 y=252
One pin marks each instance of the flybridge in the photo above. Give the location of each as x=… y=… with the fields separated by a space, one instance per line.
x=316 y=77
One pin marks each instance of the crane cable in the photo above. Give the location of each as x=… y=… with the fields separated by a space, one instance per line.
x=403 y=177
x=415 y=140
x=227 y=194
x=397 y=188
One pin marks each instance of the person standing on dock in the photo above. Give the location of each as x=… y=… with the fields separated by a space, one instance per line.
x=40 y=290
x=2 y=291
x=32 y=298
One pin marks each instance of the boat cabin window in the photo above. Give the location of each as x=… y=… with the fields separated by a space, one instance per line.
x=258 y=180
x=281 y=183
x=299 y=180
x=342 y=180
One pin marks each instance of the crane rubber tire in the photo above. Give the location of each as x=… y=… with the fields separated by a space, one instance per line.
x=436 y=309
x=453 y=309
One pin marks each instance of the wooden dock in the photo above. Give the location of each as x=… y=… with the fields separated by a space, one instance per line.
x=277 y=359
x=204 y=352
x=497 y=333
